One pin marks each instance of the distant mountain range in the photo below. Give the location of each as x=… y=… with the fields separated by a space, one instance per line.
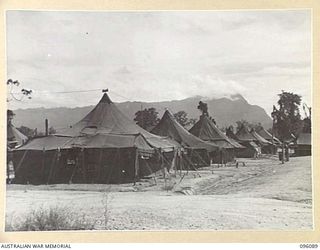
x=226 y=111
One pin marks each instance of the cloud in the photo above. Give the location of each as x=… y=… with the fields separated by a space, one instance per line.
x=154 y=56
x=213 y=87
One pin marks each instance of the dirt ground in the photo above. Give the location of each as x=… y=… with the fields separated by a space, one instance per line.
x=262 y=195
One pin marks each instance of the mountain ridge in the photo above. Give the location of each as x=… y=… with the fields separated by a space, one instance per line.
x=224 y=110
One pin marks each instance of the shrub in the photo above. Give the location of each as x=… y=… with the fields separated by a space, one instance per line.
x=50 y=219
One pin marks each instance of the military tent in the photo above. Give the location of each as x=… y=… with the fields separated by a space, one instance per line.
x=245 y=138
x=248 y=150
x=103 y=147
x=197 y=149
x=266 y=146
x=206 y=130
x=266 y=135
x=243 y=134
x=303 y=145
x=14 y=137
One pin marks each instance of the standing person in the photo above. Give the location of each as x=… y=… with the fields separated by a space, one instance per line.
x=287 y=152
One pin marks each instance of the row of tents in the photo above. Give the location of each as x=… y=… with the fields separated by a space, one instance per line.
x=108 y=147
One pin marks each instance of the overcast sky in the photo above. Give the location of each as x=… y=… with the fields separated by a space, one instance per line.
x=156 y=56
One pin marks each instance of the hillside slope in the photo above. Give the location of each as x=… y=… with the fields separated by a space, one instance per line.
x=225 y=111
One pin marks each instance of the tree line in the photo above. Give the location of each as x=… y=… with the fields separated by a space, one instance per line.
x=287 y=121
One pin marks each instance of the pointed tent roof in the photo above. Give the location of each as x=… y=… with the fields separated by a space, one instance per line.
x=244 y=135
x=266 y=135
x=14 y=135
x=206 y=130
x=106 y=127
x=259 y=138
x=104 y=118
x=233 y=137
x=168 y=126
x=235 y=143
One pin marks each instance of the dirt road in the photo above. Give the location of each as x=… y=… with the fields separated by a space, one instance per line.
x=263 y=195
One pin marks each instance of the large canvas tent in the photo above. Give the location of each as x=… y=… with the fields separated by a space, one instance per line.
x=206 y=130
x=197 y=149
x=103 y=147
x=243 y=136
x=303 y=145
x=266 y=135
x=266 y=146
x=14 y=137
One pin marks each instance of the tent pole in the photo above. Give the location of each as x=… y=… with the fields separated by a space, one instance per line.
x=74 y=169
x=84 y=170
x=52 y=164
x=58 y=162
x=190 y=160
x=51 y=167
x=200 y=158
x=119 y=167
x=186 y=164
x=167 y=161
x=20 y=162
x=136 y=166
x=180 y=162
x=175 y=161
x=147 y=164
x=43 y=162
x=194 y=168
x=163 y=170
x=100 y=165
x=117 y=163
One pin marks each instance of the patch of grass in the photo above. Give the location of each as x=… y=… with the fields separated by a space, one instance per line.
x=50 y=219
x=106 y=202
